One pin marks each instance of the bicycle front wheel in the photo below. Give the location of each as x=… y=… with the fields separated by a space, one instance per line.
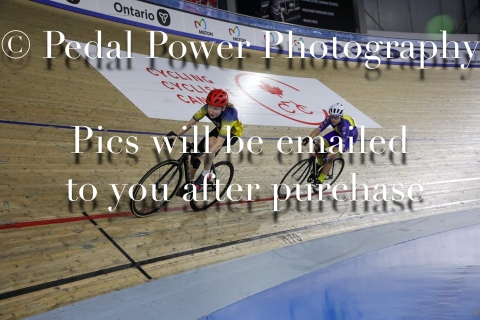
x=294 y=177
x=214 y=191
x=156 y=188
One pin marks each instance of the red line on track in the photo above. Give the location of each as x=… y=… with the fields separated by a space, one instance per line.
x=26 y=224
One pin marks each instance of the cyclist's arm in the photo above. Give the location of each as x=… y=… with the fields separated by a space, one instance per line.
x=324 y=125
x=196 y=117
x=315 y=132
x=312 y=135
x=187 y=127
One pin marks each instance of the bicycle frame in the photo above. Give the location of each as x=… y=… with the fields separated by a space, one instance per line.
x=185 y=163
x=308 y=170
x=314 y=166
x=167 y=177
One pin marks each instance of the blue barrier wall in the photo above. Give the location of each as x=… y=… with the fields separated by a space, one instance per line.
x=435 y=277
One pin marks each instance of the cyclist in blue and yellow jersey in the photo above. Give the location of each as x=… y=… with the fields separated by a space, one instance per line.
x=344 y=130
x=224 y=116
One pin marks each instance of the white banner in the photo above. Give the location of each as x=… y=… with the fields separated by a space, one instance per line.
x=171 y=89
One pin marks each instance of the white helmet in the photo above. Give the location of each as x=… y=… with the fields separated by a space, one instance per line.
x=336 y=109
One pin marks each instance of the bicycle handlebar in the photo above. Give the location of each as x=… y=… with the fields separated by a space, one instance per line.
x=190 y=145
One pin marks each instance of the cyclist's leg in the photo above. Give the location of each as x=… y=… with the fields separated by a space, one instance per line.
x=334 y=140
x=197 y=160
x=207 y=157
x=321 y=147
x=327 y=142
x=208 y=160
x=195 y=163
x=328 y=165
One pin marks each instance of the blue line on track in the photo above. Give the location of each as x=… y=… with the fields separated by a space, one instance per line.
x=58 y=126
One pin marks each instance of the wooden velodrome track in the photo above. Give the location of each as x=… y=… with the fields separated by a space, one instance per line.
x=54 y=252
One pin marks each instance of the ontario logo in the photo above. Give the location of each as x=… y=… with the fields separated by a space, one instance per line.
x=235 y=33
x=163 y=17
x=201 y=25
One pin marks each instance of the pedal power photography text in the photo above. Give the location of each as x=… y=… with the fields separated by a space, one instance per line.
x=372 y=52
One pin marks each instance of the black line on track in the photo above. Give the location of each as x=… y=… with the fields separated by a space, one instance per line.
x=133 y=264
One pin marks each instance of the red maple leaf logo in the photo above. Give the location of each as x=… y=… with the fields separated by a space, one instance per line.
x=272 y=90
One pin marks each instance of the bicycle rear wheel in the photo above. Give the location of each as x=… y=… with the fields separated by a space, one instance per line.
x=156 y=188
x=295 y=176
x=208 y=196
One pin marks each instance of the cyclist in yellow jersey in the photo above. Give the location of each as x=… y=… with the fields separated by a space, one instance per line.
x=344 y=129
x=223 y=115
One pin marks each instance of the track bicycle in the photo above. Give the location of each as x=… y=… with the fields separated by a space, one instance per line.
x=309 y=170
x=161 y=183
